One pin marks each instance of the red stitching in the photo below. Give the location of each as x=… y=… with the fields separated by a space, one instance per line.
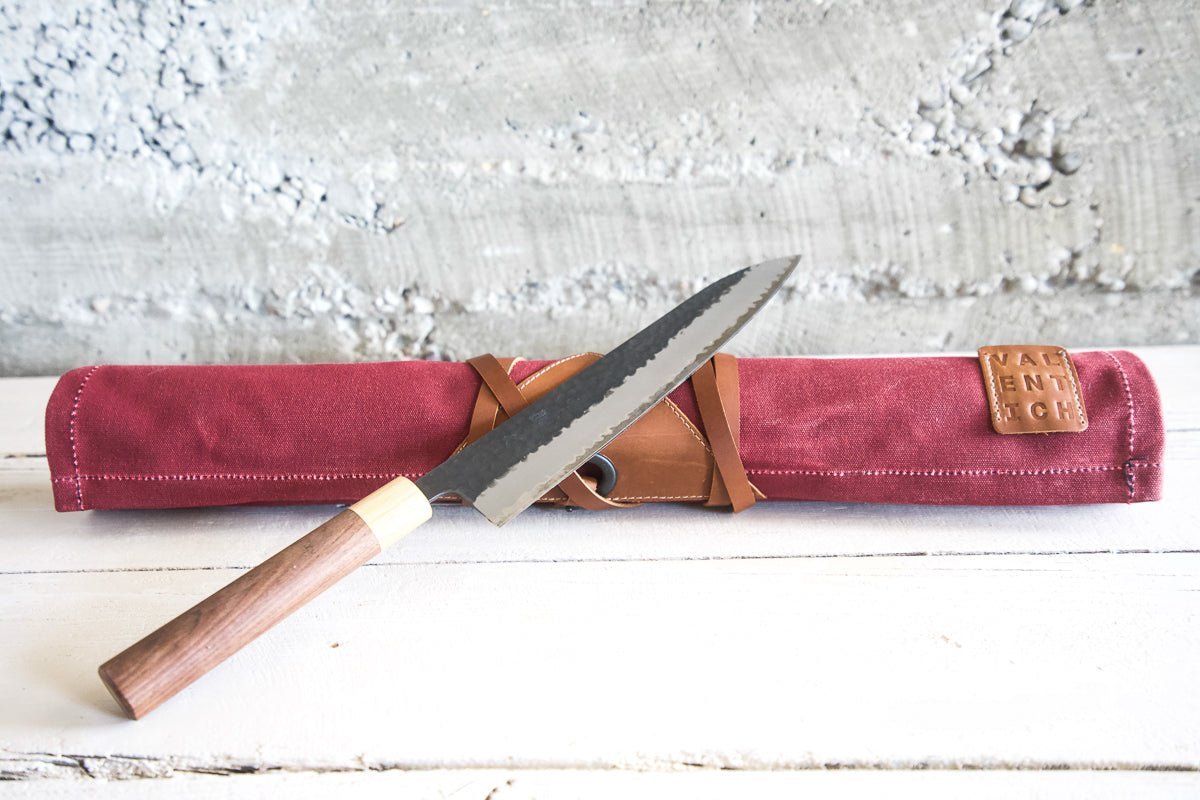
x=71 y=434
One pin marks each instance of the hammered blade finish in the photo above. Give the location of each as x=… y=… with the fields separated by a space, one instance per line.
x=505 y=471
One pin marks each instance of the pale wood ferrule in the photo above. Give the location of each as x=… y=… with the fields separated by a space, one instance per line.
x=393 y=510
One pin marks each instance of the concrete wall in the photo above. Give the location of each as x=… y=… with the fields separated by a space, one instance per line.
x=291 y=181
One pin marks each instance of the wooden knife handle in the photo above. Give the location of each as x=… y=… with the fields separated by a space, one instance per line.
x=154 y=669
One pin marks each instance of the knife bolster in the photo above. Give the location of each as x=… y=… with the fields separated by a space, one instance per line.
x=393 y=510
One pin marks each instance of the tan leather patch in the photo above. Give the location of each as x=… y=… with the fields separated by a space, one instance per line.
x=1032 y=388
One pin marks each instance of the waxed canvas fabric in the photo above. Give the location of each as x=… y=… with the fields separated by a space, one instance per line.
x=877 y=430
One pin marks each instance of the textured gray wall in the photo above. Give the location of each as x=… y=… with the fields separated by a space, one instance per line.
x=294 y=181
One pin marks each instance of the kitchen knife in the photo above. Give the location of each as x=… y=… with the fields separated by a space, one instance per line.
x=500 y=474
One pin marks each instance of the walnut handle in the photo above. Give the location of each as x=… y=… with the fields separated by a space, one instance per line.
x=154 y=669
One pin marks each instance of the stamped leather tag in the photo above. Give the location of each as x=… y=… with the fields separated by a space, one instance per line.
x=1032 y=388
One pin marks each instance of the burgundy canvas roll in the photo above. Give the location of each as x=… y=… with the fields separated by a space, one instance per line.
x=880 y=430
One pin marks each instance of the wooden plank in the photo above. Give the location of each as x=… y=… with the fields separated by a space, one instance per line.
x=22 y=425
x=603 y=785
x=1176 y=371
x=968 y=661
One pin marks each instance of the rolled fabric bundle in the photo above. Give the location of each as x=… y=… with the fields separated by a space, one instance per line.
x=877 y=430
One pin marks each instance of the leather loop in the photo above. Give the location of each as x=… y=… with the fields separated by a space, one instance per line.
x=715 y=384
x=508 y=396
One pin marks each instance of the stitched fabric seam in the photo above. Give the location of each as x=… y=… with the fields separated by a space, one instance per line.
x=549 y=367
x=994 y=397
x=1074 y=380
x=71 y=432
x=687 y=422
x=834 y=473
x=1130 y=476
x=968 y=473
x=661 y=497
x=244 y=476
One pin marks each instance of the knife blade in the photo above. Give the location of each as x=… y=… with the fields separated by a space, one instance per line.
x=500 y=474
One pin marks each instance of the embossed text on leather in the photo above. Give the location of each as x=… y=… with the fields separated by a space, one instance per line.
x=1032 y=388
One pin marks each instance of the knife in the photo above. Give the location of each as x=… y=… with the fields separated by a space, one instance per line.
x=500 y=474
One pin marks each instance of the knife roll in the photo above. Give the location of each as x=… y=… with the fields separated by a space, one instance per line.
x=877 y=430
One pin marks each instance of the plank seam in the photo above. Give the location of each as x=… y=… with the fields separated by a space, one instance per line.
x=643 y=560
x=86 y=767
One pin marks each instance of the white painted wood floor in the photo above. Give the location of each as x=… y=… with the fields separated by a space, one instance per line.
x=842 y=649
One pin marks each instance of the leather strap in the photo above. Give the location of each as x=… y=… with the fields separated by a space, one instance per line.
x=487 y=407
x=508 y=397
x=716 y=387
x=662 y=453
